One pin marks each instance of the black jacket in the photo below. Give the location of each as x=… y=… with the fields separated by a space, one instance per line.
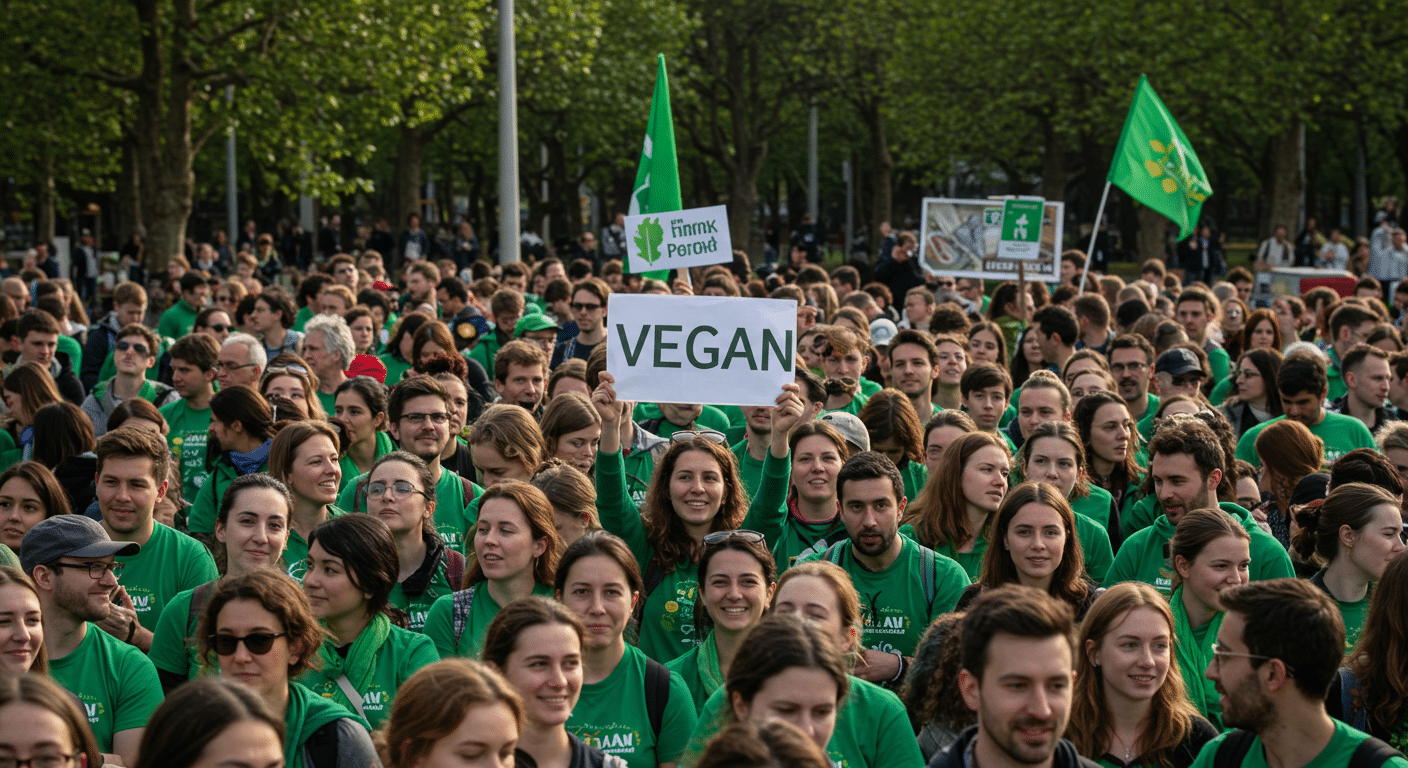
x=952 y=757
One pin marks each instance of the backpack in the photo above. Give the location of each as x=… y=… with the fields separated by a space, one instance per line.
x=928 y=568
x=1371 y=752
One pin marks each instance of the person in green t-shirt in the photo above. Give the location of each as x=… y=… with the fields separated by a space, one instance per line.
x=328 y=348
x=400 y=493
x=1052 y=454
x=843 y=359
x=1276 y=653
x=352 y=568
x=360 y=407
x=904 y=585
x=985 y=388
x=72 y=561
x=813 y=512
x=914 y=365
x=599 y=580
x=303 y=456
x=261 y=633
x=894 y=430
x=131 y=478
x=177 y=321
x=1351 y=561
x=515 y=549
x=188 y=419
x=250 y=533
x=1303 y=387
x=952 y=517
x=506 y=307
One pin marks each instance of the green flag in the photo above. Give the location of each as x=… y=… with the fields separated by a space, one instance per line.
x=1156 y=164
x=657 y=188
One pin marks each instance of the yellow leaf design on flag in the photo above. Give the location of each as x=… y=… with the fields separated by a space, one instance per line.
x=1158 y=146
x=1170 y=186
x=1154 y=168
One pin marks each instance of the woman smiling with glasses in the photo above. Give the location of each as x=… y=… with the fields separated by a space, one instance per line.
x=260 y=633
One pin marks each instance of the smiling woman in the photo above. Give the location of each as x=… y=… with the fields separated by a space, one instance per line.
x=304 y=457
x=951 y=514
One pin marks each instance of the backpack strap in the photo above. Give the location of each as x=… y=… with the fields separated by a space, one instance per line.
x=1372 y=753
x=361 y=493
x=200 y=597
x=454 y=568
x=654 y=574
x=468 y=490
x=929 y=575
x=657 y=694
x=833 y=553
x=1233 y=749
x=461 y=602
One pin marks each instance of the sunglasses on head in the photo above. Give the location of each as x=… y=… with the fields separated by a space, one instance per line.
x=718 y=537
x=258 y=643
x=142 y=349
x=686 y=435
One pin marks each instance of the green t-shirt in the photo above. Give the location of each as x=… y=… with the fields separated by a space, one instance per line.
x=1334 y=377
x=178 y=320
x=1219 y=392
x=296 y=550
x=915 y=474
x=1096 y=506
x=169 y=563
x=188 y=435
x=116 y=684
x=439 y=623
x=395 y=368
x=872 y=730
x=801 y=537
x=173 y=641
x=709 y=418
x=454 y=518
x=305 y=313
x=1336 y=754
x=349 y=467
x=70 y=346
x=1219 y=363
x=667 y=629
x=206 y=507
x=1353 y=613
x=397 y=659
x=895 y=608
x=1145 y=426
x=612 y=716
x=750 y=470
x=329 y=402
x=699 y=669
x=1141 y=557
x=418 y=608
x=1341 y=434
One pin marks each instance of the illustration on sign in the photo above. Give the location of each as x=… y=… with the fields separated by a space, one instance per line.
x=964 y=238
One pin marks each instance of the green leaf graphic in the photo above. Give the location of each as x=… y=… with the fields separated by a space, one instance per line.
x=649 y=236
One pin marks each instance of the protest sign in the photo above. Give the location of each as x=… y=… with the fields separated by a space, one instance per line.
x=696 y=237
x=1021 y=230
x=700 y=349
x=960 y=238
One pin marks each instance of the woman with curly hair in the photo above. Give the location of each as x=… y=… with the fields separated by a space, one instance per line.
x=1129 y=707
x=695 y=491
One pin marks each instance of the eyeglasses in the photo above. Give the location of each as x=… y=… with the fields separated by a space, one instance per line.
x=139 y=347
x=287 y=369
x=54 y=760
x=219 y=366
x=419 y=418
x=1131 y=367
x=257 y=643
x=96 y=571
x=1218 y=653
x=944 y=283
x=578 y=306
x=401 y=487
x=218 y=327
x=686 y=435
x=718 y=537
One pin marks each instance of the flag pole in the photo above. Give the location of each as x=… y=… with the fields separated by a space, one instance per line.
x=1094 y=232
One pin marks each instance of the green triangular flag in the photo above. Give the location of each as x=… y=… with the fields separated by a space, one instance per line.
x=1156 y=164
x=657 y=188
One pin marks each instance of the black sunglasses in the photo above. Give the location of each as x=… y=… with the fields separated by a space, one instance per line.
x=258 y=643
x=218 y=327
x=142 y=349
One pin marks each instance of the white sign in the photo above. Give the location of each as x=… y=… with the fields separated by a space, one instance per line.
x=960 y=238
x=716 y=350
x=697 y=237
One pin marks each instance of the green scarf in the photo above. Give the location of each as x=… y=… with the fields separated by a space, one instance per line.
x=307 y=712
x=360 y=664
x=709 y=675
x=1193 y=659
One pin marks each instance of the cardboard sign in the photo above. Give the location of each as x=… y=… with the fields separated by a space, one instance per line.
x=696 y=237
x=961 y=238
x=716 y=350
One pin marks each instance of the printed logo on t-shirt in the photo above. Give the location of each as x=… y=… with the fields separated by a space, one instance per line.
x=1163 y=583
x=452 y=535
x=613 y=739
x=95 y=710
x=376 y=700
x=416 y=619
x=679 y=611
x=296 y=570
x=190 y=447
x=142 y=599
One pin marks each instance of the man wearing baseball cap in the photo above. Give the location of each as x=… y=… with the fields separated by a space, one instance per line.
x=73 y=563
x=1179 y=373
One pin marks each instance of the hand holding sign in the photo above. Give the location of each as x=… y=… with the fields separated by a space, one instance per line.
x=786 y=415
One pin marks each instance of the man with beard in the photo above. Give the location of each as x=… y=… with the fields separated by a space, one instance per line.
x=115 y=682
x=914 y=365
x=1131 y=361
x=521 y=375
x=418 y=416
x=133 y=463
x=1277 y=652
x=753 y=448
x=903 y=585
x=1186 y=465
x=1018 y=656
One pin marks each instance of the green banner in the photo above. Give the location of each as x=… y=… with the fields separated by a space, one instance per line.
x=657 y=188
x=1155 y=163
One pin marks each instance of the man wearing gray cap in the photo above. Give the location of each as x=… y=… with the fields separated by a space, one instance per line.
x=1179 y=373
x=72 y=562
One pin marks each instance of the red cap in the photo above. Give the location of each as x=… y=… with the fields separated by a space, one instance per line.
x=368 y=365
x=383 y=287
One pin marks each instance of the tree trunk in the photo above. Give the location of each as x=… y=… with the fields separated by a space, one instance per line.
x=163 y=131
x=1054 y=164
x=1152 y=226
x=1281 y=182
x=410 y=155
x=44 y=201
x=129 y=195
x=883 y=200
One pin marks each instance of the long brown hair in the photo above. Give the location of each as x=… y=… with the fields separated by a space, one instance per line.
x=1170 y=713
x=939 y=514
x=889 y=415
x=1297 y=453
x=1351 y=504
x=663 y=529
x=1377 y=659
x=42 y=691
x=1261 y=316
x=537 y=510
x=1061 y=430
x=1068 y=581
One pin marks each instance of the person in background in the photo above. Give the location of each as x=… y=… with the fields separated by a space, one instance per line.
x=212 y=722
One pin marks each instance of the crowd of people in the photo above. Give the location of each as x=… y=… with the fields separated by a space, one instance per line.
x=351 y=517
